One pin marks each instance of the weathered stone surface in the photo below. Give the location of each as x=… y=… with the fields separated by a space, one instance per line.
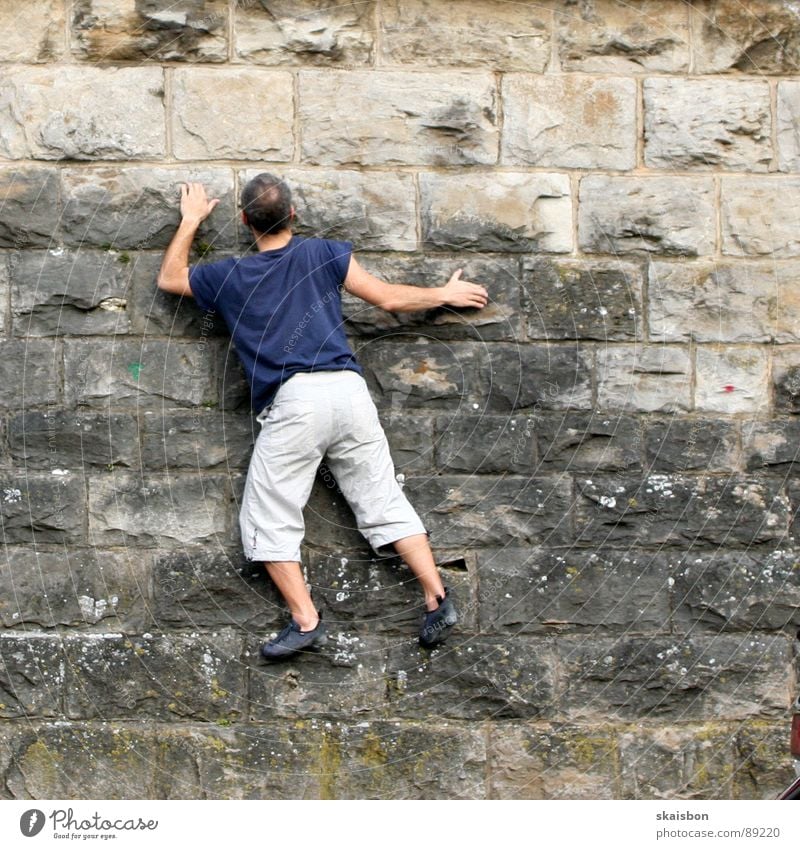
x=507 y=212
x=646 y=379
x=663 y=215
x=677 y=762
x=701 y=444
x=309 y=32
x=201 y=588
x=736 y=591
x=761 y=37
x=569 y=122
x=588 y=442
x=758 y=217
x=771 y=446
x=148 y=30
x=75 y=587
x=128 y=509
x=110 y=676
x=32 y=34
x=250 y=131
x=491 y=34
x=537 y=591
x=60 y=439
x=129 y=372
x=762 y=769
x=232 y=386
x=788 y=125
x=499 y=319
x=396 y=118
x=576 y=299
x=479 y=511
x=732 y=380
x=486 y=444
x=139 y=207
x=552 y=762
x=721 y=676
x=679 y=509
x=704 y=123
x=31 y=675
x=62 y=113
x=29 y=373
x=477 y=678
x=28 y=212
x=65 y=292
x=375 y=211
x=410 y=437
x=786 y=380
x=43 y=507
x=611 y=35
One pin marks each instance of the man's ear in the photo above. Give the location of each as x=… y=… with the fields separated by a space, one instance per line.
x=292 y=214
x=244 y=219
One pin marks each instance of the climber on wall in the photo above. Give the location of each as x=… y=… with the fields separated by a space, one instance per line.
x=282 y=306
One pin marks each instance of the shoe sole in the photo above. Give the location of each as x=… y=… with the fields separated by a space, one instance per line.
x=318 y=643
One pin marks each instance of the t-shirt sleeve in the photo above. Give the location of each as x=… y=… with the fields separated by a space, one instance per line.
x=205 y=281
x=340 y=253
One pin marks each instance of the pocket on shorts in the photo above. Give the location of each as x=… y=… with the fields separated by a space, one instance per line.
x=364 y=422
x=290 y=420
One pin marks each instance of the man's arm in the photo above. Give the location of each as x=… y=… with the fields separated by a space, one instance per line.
x=195 y=208
x=398 y=297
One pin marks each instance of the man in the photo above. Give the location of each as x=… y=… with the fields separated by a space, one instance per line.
x=282 y=306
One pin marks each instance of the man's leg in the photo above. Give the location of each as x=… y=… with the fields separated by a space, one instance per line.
x=288 y=578
x=416 y=552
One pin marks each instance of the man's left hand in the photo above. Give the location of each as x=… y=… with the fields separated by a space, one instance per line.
x=195 y=205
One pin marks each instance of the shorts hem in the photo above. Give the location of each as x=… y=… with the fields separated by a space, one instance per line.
x=271 y=555
x=378 y=547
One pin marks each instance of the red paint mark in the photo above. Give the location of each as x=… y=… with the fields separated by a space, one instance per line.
x=729 y=387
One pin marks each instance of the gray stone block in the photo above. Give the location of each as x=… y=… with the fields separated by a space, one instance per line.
x=410 y=438
x=36 y=35
x=771 y=446
x=787 y=125
x=486 y=444
x=762 y=769
x=588 y=442
x=758 y=216
x=786 y=380
x=29 y=373
x=29 y=214
x=652 y=378
x=697 y=444
x=732 y=379
x=40 y=507
x=31 y=675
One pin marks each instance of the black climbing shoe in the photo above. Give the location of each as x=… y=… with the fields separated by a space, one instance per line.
x=437 y=623
x=292 y=640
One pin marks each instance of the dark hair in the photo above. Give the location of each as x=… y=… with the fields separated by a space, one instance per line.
x=267 y=203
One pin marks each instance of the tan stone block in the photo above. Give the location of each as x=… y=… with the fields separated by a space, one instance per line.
x=569 y=121
x=759 y=217
x=78 y=112
x=32 y=32
x=732 y=380
x=788 y=121
x=707 y=123
x=478 y=34
x=391 y=118
x=255 y=123
x=648 y=379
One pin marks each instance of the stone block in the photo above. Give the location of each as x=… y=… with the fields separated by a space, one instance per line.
x=309 y=32
x=771 y=446
x=29 y=211
x=762 y=37
x=580 y=299
x=478 y=678
x=505 y=212
x=674 y=216
x=131 y=372
x=552 y=761
x=82 y=126
x=762 y=768
x=75 y=587
x=129 y=509
x=375 y=211
x=40 y=507
x=569 y=121
x=736 y=590
x=540 y=591
x=698 y=444
x=758 y=217
x=29 y=373
x=245 y=129
x=732 y=380
x=54 y=293
x=60 y=439
x=34 y=34
x=713 y=677
x=479 y=511
x=786 y=380
x=410 y=438
x=137 y=208
x=394 y=118
x=499 y=319
x=707 y=123
x=677 y=762
x=618 y=37
x=486 y=444
x=31 y=675
x=681 y=510
x=653 y=378
x=148 y=30
x=788 y=125
x=490 y=35
x=110 y=676
x=588 y=442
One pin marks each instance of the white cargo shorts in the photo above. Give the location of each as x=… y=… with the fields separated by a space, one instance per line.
x=316 y=415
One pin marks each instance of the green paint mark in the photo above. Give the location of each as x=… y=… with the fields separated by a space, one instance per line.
x=135 y=369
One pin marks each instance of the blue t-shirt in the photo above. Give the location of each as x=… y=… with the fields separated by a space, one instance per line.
x=283 y=309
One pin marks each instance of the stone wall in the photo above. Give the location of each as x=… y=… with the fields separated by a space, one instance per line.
x=610 y=445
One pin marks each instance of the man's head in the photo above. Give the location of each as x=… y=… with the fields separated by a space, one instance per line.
x=267 y=204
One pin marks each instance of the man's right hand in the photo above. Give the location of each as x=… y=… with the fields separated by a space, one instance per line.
x=195 y=205
x=462 y=293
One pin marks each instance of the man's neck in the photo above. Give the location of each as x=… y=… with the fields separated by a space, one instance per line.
x=273 y=241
